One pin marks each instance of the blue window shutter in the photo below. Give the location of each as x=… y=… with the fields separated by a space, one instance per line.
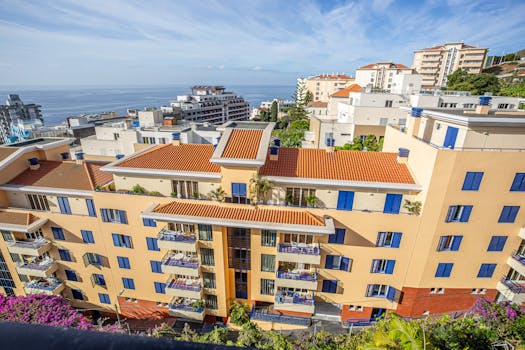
x=122 y=215
x=345 y=264
x=392 y=203
x=497 y=243
x=388 y=204
x=375 y=266
x=333 y=237
x=465 y=215
x=341 y=200
x=390 y=266
x=91 y=207
x=329 y=262
x=444 y=269
x=333 y=288
x=235 y=189
x=326 y=284
x=441 y=243
x=127 y=241
x=64 y=254
x=396 y=239
x=58 y=233
x=391 y=293
x=349 y=200
x=472 y=181
x=242 y=189
x=116 y=241
x=450 y=137
x=338 y=237
x=456 y=241
x=104 y=298
x=63 y=203
x=451 y=213
x=519 y=182
x=508 y=214
x=104 y=213
x=486 y=270
x=448 y=269
x=155 y=266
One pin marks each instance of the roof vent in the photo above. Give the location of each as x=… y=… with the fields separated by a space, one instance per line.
x=64 y=155
x=119 y=156
x=34 y=163
x=485 y=100
x=175 y=137
x=330 y=142
x=80 y=157
x=277 y=142
x=402 y=155
x=274 y=152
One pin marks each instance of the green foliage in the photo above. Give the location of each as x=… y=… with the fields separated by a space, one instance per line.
x=447 y=334
x=155 y=193
x=274 y=341
x=239 y=313
x=477 y=84
x=218 y=194
x=249 y=336
x=217 y=336
x=396 y=333
x=198 y=304
x=273 y=111
x=138 y=189
x=517 y=90
x=188 y=334
x=413 y=206
x=164 y=331
x=311 y=200
x=259 y=188
x=264 y=115
x=371 y=143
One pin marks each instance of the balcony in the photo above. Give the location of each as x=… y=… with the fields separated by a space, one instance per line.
x=180 y=264
x=267 y=315
x=31 y=248
x=517 y=262
x=184 y=288
x=42 y=268
x=296 y=302
x=522 y=233
x=300 y=253
x=187 y=308
x=512 y=290
x=304 y=279
x=48 y=286
x=175 y=240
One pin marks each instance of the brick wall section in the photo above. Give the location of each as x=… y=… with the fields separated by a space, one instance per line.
x=346 y=313
x=418 y=300
x=142 y=309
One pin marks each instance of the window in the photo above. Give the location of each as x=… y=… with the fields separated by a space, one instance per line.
x=239 y=193
x=209 y=280
x=388 y=103
x=297 y=196
x=123 y=262
x=437 y=291
x=8 y=237
x=114 y=215
x=92 y=259
x=156 y=266
x=241 y=284
x=383 y=121
x=338 y=237
x=152 y=244
x=450 y=137
x=449 y=243
x=518 y=184
x=497 y=243
x=207 y=257
x=63 y=204
x=71 y=275
x=104 y=298
x=444 y=269
x=345 y=200
x=99 y=279
x=503 y=106
x=268 y=238
x=149 y=222
x=472 y=181
x=468 y=105
x=458 y=213
x=486 y=270
x=392 y=203
x=121 y=240
x=330 y=286
x=336 y=262
x=383 y=266
x=91 y=207
x=77 y=294
x=38 y=202
x=58 y=233
x=128 y=283
x=205 y=232
x=185 y=189
x=376 y=290
x=160 y=287
x=87 y=236
x=267 y=262
x=64 y=255
x=388 y=239
x=508 y=214
x=267 y=286
x=211 y=301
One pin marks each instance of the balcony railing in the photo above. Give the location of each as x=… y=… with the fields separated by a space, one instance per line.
x=300 y=248
x=42 y=265
x=520 y=257
x=514 y=286
x=48 y=285
x=266 y=315
x=38 y=243
x=185 y=284
x=283 y=298
x=176 y=236
x=181 y=260
x=301 y=276
x=185 y=305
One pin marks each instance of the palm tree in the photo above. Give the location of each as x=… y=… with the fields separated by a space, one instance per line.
x=397 y=333
x=259 y=188
x=218 y=194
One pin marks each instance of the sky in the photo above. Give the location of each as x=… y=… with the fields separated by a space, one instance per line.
x=270 y=42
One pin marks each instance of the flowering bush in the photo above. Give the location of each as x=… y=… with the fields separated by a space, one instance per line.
x=506 y=319
x=41 y=309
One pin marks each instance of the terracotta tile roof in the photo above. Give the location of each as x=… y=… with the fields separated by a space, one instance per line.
x=65 y=175
x=98 y=177
x=439 y=47
x=24 y=219
x=236 y=212
x=317 y=104
x=185 y=157
x=243 y=144
x=339 y=165
x=346 y=91
x=6 y=152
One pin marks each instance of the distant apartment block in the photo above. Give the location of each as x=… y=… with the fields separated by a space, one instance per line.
x=18 y=119
x=436 y=63
x=381 y=75
x=323 y=85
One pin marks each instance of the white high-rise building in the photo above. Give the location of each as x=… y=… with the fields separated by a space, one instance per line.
x=380 y=75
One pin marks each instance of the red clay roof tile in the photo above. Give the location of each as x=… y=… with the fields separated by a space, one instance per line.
x=64 y=175
x=346 y=91
x=243 y=144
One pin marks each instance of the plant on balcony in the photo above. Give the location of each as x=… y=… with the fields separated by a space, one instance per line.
x=288 y=199
x=259 y=188
x=174 y=194
x=311 y=200
x=198 y=305
x=239 y=313
x=138 y=189
x=413 y=207
x=196 y=195
x=218 y=195
x=155 y=193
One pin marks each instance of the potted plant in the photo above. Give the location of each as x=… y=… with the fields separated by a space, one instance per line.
x=219 y=194
x=138 y=189
x=155 y=193
x=413 y=207
x=196 y=195
x=311 y=200
x=174 y=194
x=289 y=199
x=197 y=305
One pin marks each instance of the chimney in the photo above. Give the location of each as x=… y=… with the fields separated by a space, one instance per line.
x=413 y=123
x=175 y=138
x=34 y=163
x=330 y=142
x=80 y=157
x=402 y=155
x=64 y=155
x=484 y=105
x=274 y=152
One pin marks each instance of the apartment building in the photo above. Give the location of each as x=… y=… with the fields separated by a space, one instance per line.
x=211 y=104
x=331 y=237
x=17 y=119
x=322 y=86
x=436 y=63
x=381 y=75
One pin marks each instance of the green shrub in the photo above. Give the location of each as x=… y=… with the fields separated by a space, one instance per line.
x=138 y=189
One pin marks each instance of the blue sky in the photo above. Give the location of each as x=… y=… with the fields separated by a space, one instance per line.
x=117 y=42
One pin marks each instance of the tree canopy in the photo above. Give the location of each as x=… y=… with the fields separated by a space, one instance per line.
x=477 y=84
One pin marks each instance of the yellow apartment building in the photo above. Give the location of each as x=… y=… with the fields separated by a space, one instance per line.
x=185 y=229
x=322 y=86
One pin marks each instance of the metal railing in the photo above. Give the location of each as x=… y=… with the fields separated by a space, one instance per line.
x=514 y=286
x=176 y=236
x=185 y=261
x=302 y=276
x=40 y=265
x=37 y=243
x=43 y=284
x=520 y=257
x=195 y=286
x=265 y=315
x=281 y=298
x=300 y=248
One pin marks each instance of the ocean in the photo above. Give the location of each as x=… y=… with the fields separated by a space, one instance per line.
x=59 y=103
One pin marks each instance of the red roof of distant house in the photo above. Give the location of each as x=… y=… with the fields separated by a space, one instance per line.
x=395 y=65
x=318 y=104
x=346 y=91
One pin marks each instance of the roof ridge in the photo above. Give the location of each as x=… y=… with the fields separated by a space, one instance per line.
x=314 y=217
x=84 y=165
